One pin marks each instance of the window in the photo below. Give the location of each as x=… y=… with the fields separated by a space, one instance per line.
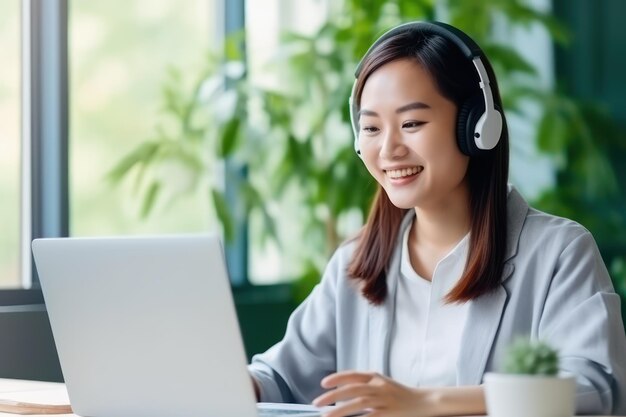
x=10 y=143
x=119 y=63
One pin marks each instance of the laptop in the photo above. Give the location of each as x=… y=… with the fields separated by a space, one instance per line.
x=146 y=326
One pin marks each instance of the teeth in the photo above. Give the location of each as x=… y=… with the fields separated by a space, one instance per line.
x=404 y=172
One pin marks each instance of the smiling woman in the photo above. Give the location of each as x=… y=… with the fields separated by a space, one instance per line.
x=452 y=264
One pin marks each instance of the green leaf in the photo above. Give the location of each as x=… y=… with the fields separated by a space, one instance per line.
x=254 y=200
x=149 y=199
x=552 y=133
x=508 y=59
x=223 y=214
x=229 y=137
x=142 y=154
x=514 y=95
x=598 y=175
x=560 y=33
x=309 y=279
x=415 y=10
x=521 y=13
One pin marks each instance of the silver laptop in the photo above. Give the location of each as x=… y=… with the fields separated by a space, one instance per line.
x=146 y=326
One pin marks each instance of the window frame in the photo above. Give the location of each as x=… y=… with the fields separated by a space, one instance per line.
x=45 y=195
x=237 y=253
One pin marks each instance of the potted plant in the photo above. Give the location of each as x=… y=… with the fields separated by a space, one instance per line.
x=530 y=384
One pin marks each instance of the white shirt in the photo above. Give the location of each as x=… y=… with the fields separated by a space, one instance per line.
x=426 y=333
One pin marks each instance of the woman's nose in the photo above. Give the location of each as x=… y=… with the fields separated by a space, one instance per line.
x=393 y=146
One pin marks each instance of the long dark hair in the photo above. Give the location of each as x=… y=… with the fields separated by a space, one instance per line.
x=487 y=174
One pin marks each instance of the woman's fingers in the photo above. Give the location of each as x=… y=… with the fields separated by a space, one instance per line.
x=352 y=407
x=344 y=393
x=347 y=377
x=371 y=394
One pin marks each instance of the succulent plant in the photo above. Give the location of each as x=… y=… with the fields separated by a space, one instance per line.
x=531 y=358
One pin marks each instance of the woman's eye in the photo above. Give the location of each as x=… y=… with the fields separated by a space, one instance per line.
x=412 y=124
x=369 y=129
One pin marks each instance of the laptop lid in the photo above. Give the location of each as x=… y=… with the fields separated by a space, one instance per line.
x=145 y=326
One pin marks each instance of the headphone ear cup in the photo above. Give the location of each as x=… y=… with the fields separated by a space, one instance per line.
x=468 y=115
x=353 y=119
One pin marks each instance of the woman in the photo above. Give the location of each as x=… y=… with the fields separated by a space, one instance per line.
x=452 y=265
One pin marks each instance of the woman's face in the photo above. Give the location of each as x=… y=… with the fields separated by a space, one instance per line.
x=407 y=137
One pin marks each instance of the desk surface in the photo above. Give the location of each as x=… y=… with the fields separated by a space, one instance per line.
x=33 y=391
x=39 y=392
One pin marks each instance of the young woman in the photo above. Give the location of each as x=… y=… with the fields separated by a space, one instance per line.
x=452 y=265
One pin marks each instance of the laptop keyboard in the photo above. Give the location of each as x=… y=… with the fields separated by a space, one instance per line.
x=274 y=412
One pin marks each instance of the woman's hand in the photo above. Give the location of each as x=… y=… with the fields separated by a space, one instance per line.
x=377 y=395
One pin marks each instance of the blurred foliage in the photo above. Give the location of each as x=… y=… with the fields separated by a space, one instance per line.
x=298 y=134
x=588 y=147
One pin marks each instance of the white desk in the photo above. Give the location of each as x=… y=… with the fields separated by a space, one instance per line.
x=41 y=392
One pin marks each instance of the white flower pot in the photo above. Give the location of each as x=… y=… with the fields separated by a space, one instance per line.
x=511 y=395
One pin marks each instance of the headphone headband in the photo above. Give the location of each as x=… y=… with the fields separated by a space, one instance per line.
x=466 y=44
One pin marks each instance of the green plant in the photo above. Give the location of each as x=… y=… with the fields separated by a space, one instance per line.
x=531 y=358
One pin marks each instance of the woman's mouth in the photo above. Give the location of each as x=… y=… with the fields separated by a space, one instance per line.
x=404 y=172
